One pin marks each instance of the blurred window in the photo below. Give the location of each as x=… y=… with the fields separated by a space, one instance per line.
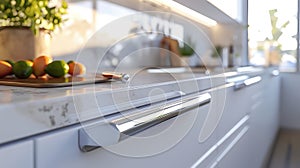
x=272 y=32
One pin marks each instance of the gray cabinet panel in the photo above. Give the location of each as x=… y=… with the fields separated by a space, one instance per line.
x=17 y=155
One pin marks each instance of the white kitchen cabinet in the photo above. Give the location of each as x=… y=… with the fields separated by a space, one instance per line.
x=264 y=118
x=233 y=129
x=272 y=98
x=213 y=11
x=258 y=123
x=17 y=155
x=61 y=149
x=241 y=139
x=259 y=101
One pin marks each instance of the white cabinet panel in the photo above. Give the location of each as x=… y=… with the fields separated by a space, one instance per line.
x=260 y=102
x=17 y=155
x=236 y=107
x=233 y=119
x=272 y=98
x=264 y=118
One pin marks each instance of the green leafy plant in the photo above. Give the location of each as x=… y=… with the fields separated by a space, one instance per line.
x=187 y=48
x=276 y=31
x=35 y=14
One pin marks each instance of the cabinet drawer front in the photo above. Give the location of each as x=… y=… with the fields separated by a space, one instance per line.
x=90 y=137
x=61 y=149
x=17 y=155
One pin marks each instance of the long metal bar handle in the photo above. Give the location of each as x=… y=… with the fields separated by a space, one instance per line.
x=119 y=129
x=247 y=82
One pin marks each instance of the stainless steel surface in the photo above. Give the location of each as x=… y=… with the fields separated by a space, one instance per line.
x=119 y=129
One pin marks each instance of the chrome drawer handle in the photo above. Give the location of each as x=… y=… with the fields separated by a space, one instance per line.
x=275 y=73
x=247 y=82
x=119 y=129
x=239 y=85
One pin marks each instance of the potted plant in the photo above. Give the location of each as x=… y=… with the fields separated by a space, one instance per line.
x=186 y=51
x=274 y=50
x=25 y=26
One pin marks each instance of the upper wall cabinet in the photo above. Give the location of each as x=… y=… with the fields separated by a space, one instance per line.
x=213 y=9
x=224 y=12
x=233 y=8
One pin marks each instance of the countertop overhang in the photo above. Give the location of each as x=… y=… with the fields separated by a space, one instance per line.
x=29 y=111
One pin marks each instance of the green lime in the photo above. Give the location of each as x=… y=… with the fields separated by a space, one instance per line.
x=57 y=69
x=22 y=69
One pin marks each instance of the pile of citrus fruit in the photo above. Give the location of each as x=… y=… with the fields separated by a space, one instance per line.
x=40 y=67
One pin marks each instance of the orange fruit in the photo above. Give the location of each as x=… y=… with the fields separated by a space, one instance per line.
x=39 y=65
x=5 y=69
x=76 y=68
x=11 y=63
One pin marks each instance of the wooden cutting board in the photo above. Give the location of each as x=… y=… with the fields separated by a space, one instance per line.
x=52 y=82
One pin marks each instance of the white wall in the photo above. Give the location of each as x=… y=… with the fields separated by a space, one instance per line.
x=290 y=100
x=96 y=31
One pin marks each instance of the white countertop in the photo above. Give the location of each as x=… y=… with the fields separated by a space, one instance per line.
x=29 y=111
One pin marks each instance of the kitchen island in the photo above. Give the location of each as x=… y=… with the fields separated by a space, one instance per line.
x=41 y=121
